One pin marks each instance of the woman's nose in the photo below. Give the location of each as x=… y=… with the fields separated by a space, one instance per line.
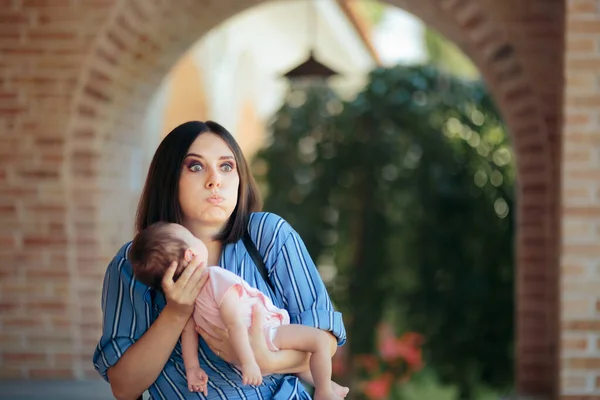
x=213 y=180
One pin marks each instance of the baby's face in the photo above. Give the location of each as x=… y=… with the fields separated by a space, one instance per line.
x=196 y=245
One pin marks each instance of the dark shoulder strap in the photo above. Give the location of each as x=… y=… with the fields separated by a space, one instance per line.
x=257 y=258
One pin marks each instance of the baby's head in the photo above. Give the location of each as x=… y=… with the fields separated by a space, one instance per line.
x=157 y=246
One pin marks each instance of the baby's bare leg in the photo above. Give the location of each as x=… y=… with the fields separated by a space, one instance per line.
x=317 y=342
x=306 y=376
x=238 y=334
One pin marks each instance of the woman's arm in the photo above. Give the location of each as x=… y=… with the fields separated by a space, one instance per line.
x=132 y=353
x=299 y=285
x=140 y=365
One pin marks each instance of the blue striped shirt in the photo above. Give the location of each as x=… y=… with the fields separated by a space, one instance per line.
x=129 y=308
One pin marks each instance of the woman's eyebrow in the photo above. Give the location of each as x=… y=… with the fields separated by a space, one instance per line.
x=193 y=155
x=220 y=158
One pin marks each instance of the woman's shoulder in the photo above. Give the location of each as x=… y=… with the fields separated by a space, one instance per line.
x=123 y=251
x=270 y=232
x=119 y=275
x=268 y=225
x=120 y=262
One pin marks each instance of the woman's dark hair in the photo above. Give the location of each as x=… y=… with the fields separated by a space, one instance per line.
x=160 y=198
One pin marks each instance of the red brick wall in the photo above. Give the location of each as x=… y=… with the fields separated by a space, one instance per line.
x=580 y=265
x=75 y=78
x=42 y=49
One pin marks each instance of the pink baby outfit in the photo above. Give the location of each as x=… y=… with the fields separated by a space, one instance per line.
x=220 y=281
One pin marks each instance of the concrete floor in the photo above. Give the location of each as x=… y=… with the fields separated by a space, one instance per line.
x=55 y=390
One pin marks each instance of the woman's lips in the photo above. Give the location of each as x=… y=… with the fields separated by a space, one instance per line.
x=215 y=199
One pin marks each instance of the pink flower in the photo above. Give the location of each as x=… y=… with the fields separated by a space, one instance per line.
x=369 y=362
x=378 y=388
x=410 y=354
x=409 y=345
x=406 y=348
x=413 y=339
x=388 y=348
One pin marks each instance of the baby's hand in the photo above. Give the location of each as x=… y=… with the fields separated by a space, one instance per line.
x=251 y=374
x=197 y=380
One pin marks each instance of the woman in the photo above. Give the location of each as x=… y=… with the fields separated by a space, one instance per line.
x=200 y=179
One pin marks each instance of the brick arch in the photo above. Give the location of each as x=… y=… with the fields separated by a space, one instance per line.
x=141 y=40
x=537 y=300
x=469 y=24
x=105 y=151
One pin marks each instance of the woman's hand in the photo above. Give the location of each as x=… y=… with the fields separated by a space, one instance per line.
x=182 y=294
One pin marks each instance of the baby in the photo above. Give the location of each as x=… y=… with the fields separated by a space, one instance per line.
x=226 y=301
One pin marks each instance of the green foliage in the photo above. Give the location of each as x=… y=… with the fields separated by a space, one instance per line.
x=407 y=191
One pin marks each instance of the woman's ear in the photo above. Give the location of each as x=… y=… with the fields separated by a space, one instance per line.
x=189 y=254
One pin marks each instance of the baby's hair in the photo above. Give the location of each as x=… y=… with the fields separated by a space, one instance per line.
x=152 y=251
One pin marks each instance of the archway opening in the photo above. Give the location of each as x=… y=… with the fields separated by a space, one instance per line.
x=135 y=50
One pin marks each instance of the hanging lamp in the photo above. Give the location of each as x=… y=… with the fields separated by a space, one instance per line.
x=310 y=69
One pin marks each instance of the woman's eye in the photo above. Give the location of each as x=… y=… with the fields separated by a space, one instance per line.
x=227 y=167
x=195 y=167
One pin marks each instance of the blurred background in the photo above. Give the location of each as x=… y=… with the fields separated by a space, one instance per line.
x=438 y=157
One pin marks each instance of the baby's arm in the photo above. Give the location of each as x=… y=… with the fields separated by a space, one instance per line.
x=238 y=334
x=196 y=376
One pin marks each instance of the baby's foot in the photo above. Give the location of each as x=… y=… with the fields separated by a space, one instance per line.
x=327 y=394
x=197 y=380
x=341 y=391
x=251 y=374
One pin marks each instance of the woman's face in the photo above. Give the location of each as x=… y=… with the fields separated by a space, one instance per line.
x=209 y=181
